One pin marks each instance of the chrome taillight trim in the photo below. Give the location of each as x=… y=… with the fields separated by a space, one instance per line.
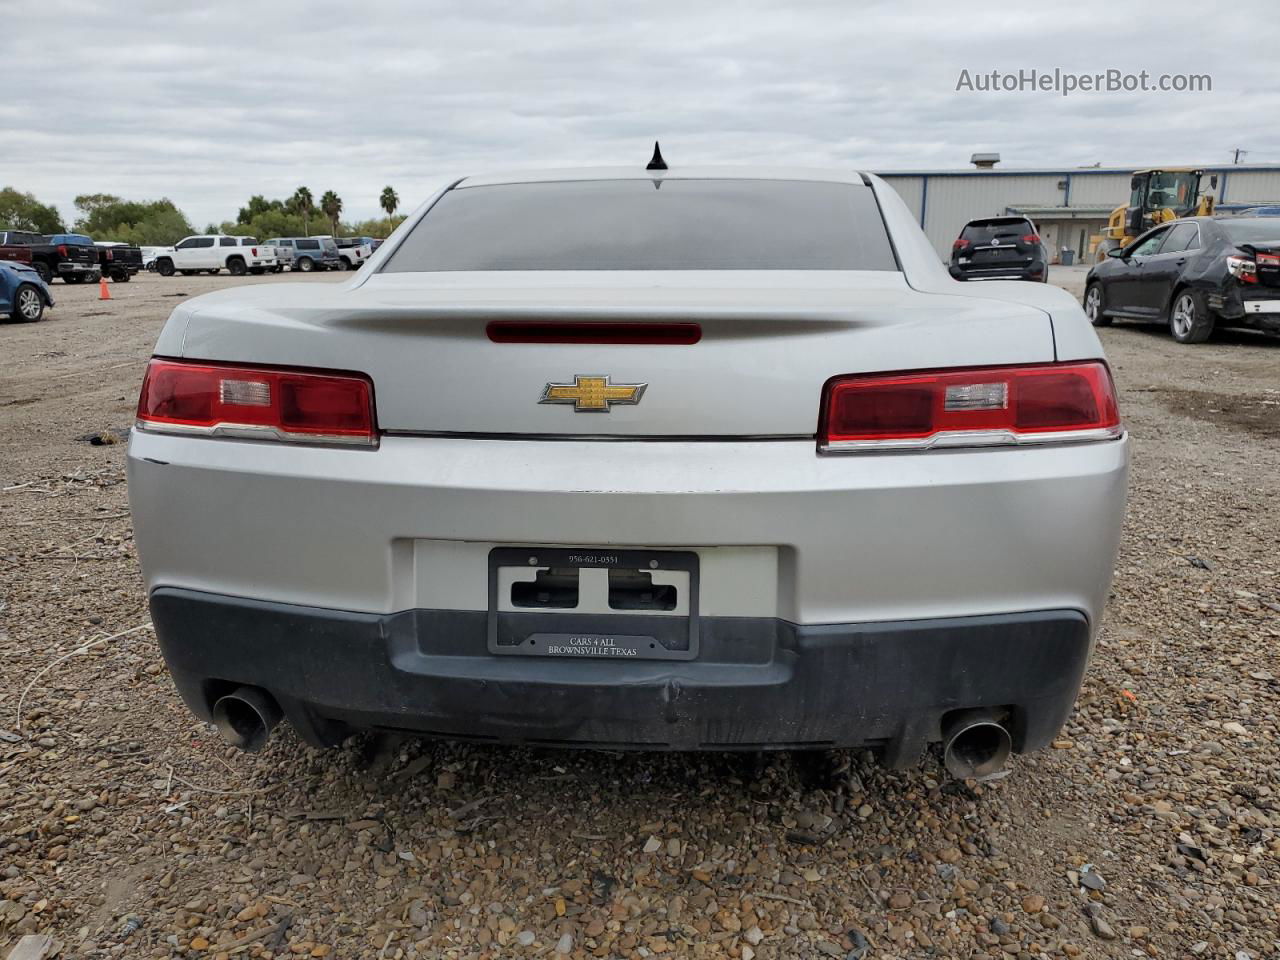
x=250 y=431
x=961 y=439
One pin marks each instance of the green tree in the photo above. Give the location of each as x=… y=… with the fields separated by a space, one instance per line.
x=257 y=204
x=302 y=202
x=22 y=211
x=389 y=201
x=331 y=206
x=104 y=216
x=374 y=227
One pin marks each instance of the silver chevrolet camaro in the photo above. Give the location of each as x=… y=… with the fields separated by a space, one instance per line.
x=716 y=458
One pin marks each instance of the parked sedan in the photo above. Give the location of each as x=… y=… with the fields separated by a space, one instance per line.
x=23 y=292
x=752 y=473
x=1194 y=274
x=999 y=248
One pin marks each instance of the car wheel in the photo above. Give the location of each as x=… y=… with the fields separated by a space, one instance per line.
x=124 y=277
x=306 y=265
x=213 y=273
x=1094 y=304
x=164 y=267
x=45 y=273
x=28 y=304
x=236 y=267
x=74 y=278
x=1189 y=319
x=278 y=269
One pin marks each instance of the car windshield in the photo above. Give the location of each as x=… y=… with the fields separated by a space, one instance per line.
x=645 y=224
x=984 y=231
x=1175 y=191
x=1260 y=230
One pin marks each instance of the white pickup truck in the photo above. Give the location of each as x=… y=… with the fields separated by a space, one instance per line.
x=211 y=253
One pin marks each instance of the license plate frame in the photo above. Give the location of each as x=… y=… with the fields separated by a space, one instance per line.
x=614 y=635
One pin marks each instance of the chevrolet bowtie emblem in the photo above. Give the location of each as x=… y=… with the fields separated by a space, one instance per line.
x=592 y=394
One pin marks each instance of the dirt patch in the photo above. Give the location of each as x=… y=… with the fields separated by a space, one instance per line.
x=1258 y=415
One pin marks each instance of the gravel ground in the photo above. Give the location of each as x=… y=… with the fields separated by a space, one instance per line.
x=1151 y=828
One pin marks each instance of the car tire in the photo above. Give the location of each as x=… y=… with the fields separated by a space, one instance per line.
x=124 y=277
x=346 y=264
x=28 y=303
x=236 y=267
x=164 y=267
x=74 y=278
x=306 y=264
x=213 y=273
x=45 y=273
x=1095 y=301
x=1189 y=318
x=278 y=269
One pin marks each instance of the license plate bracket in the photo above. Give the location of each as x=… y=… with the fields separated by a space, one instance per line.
x=593 y=604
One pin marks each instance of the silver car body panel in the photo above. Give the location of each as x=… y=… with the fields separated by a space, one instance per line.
x=720 y=457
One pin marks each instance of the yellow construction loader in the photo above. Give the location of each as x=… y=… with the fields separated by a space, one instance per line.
x=1155 y=196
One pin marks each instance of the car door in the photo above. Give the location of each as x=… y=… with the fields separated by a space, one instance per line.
x=1160 y=272
x=1124 y=293
x=185 y=253
x=219 y=255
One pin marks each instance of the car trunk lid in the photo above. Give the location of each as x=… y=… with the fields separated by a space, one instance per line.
x=767 y=343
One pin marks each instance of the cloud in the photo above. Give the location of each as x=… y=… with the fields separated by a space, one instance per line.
x=207 y=104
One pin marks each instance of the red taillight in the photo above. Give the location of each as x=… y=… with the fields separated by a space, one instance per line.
x=62 y=249
x=1244 y=269
x=253 y=251
x=1031 y=239
x=254 y=403
x=960 y=243
x=983 y=406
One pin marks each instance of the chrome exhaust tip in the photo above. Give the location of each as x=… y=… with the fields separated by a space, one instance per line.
x=975 y=745
x=245 y=718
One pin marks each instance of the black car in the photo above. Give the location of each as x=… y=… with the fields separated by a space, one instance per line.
x=119 y=261
x=999 y=248
x=1193 y=274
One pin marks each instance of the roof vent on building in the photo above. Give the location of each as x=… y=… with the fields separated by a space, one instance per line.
x=985 y=161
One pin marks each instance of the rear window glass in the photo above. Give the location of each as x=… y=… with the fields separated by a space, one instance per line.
x=650 y=225
x=1261 y=230
x=308 y=244
x=987 y=230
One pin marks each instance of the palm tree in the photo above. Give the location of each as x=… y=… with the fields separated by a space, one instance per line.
x=331 y=205
x=303 y=202
x=389 y=201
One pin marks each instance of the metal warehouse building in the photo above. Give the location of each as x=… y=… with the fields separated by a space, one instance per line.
x=1069 y=206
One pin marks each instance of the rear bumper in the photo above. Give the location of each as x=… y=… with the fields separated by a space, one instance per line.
x=1032 y=272
x=757 y=683
x=781 y=531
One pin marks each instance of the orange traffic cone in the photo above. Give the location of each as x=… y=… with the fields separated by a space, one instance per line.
x=103 y=292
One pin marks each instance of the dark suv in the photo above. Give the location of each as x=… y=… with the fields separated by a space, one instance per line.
x=999 y=248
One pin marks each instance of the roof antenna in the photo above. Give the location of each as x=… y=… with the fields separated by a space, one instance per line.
x=657 y=163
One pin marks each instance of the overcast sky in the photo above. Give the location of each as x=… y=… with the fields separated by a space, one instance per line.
x=207 y=103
